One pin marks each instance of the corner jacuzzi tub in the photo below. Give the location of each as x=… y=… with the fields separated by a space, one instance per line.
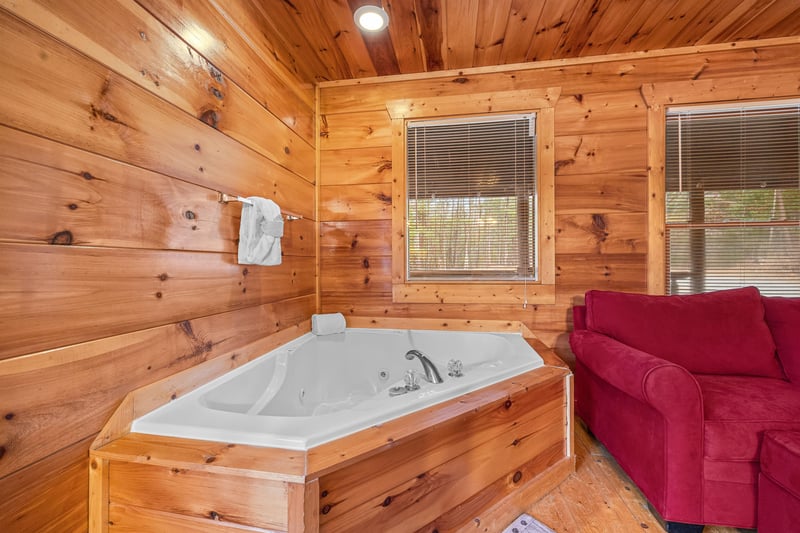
x=316 y=389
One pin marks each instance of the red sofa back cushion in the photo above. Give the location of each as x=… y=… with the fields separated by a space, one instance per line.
x=783 y=318
x=721 y=332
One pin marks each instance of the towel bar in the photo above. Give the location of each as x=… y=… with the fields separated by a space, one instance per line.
x=225 y=198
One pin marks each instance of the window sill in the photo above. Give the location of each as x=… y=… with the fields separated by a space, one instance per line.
x=474 y=293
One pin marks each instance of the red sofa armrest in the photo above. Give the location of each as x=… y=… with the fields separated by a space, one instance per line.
x=668 y=387
x=656 y=415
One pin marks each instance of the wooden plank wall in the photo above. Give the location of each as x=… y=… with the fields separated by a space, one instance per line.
x=600 y=181
x=119 y=121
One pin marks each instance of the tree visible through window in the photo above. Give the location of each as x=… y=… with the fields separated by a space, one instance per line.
x=733 y=199
x=471 y=198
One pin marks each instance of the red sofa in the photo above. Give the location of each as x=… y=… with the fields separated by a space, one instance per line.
x=680 y=390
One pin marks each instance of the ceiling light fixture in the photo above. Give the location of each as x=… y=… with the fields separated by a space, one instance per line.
x=371 y=18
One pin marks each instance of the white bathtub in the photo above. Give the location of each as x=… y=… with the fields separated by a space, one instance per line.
x=316 y=389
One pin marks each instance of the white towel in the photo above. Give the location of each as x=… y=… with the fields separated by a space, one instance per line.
x=328 y=324
x=260 y=232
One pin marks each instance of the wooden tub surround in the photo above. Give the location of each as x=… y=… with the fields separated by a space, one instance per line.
x=469 y=464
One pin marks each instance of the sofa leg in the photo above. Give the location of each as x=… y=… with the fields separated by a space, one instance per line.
x=674 y=527
x=680 y=527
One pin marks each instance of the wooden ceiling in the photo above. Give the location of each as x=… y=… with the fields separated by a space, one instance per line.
x=319 y=41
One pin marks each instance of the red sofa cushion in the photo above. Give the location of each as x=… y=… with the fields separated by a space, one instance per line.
x=783 y=319
x=720 y=332
x=780 y=459
x=778 y=509
x=738 y=409
x=779 y=482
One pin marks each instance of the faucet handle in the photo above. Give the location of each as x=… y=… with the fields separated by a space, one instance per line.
x=455 y=368
x=411 y=380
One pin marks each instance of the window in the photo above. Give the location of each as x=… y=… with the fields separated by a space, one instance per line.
x=471 y=198
x=733 y=198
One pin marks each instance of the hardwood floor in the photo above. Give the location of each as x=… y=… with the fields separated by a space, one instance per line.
x=599 y=497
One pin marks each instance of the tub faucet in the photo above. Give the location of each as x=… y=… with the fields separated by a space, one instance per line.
x=431 y=373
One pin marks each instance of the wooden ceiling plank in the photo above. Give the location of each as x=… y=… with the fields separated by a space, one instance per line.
x=339 y=18
x=382 y=52
x=429 y=16
x=681 y=13
x=301 y=22
x=728 y=25
x=490 y=31
x=379 y=46
x=789 y=26
x=694 y=29
x=522 y=22
x=641 y=24
x=576 y=33
x=614 y=20
x=555 y=16
x=460 y=23
x=404 y=29
x=761 y=26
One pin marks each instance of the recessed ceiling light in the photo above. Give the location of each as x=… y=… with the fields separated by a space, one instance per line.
x=371 y=18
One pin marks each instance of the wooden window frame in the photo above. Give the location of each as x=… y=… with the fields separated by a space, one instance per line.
x=659 y=96
x=542 y=291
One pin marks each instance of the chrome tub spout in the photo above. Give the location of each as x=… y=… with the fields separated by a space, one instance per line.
x=431 y=372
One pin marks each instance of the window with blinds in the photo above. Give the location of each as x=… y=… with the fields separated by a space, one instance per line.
x=471 y=198
x=733 y=198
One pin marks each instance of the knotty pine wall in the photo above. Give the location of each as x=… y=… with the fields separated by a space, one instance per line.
x=119 y=121
x=601 y=172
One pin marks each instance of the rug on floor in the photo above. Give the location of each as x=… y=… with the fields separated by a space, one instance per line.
x=525 y=523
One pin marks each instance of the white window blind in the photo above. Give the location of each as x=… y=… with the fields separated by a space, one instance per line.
x=472 y=198
x=733 y=198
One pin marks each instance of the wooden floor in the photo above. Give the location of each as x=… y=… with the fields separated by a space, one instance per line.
x=598 y=497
